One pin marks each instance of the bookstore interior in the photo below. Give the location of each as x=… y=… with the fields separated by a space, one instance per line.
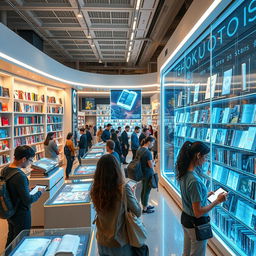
x=204 y=90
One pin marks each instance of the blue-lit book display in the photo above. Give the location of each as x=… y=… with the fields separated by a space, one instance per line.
x=209 y=95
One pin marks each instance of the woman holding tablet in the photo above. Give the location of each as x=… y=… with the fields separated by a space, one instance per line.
x=194 y=196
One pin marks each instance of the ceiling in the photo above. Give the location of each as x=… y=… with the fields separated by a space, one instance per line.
x=107 y=36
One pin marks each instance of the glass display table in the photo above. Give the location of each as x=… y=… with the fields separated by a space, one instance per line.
x=36 y=242
x=83 y=172
x=91 y=158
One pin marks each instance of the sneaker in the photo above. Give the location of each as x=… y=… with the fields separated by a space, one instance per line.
x=150 y=207
x=148 y=211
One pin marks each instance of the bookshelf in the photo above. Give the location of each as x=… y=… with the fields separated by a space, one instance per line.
x=27 y=113
x=214 y=102
x=146 y=114
x=81 y=119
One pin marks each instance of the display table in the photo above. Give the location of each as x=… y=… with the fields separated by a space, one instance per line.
x=97 y=150
x=83 y=172
x=99 y=145
x=53 y=183
x=38 y=241
x=91 y=158
x=70 y=207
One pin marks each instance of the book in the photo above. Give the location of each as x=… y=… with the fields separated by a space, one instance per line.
x=243 y=139
x=244 y=79
x=227 y=80
x=210 y=88
x=216 y=115
x=236 y=138
x=245 y=185
x=250 y=142
x=234 y=114
x=233 y=179
x=247 y=113
x=244 y=212
x=226 y=115
x=196 y=114
x=45 y=165
x=196 y=92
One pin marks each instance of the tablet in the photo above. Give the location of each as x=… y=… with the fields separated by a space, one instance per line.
x=127 y=99
x=35 y=189
x=213 y=197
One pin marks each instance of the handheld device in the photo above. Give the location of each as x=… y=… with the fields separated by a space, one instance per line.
x=35 y=189
x=213 y=197
x=127 y=99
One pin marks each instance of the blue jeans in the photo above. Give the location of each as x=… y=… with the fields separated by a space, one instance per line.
x=70 y=160
x=81 y=153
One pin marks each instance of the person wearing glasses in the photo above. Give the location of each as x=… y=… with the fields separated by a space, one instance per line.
x=18 y=187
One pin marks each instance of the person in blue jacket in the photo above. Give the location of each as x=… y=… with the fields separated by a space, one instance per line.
x=135 y=144
x=106 y=133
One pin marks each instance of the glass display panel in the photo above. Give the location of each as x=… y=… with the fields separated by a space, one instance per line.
x=85 y=169
x=209 y=95
x=92 y=155
x=96 y=150
x=72 y=193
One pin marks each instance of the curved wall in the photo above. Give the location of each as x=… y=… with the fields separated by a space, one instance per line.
x=17 y=51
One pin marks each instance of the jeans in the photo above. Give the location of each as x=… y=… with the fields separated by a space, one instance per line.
x=81 y=153
x=70 y=160
x=20 y=221
x=145 y=191
x=120 y=251
x=134 y=153
x=192 y=247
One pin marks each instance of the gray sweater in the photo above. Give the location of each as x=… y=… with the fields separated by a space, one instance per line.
x=51 y=150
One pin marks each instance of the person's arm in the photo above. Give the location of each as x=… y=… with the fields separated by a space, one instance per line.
x=132 y=203
x=22 y=188
x=54 y=147
x=150 y=160
x=72 y=147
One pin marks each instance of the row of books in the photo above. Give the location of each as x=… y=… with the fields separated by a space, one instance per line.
x=4 y=133
x=55 y=110
x=52 y=99
x=4 y=92
x=38 y=147
x=4 y=121
x=4 y=159
x=244 y=139
x=39 y=156
x=4 y=145
x=27 y=108
x=28 y=140
x=238 y=160
x=3 y=106
x=54 y=127
x=21 y=95
x=236 y=114
x=29 y=130
x=35 y=119
x=54 y=119
x=236 y=232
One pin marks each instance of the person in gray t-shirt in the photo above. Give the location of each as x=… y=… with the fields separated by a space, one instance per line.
x=194 y=195
x=50 y=147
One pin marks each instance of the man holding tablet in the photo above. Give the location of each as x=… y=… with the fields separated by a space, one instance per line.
x=18 y=187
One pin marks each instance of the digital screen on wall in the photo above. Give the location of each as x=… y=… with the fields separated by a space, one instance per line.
x=125 y=104
x=88 y=104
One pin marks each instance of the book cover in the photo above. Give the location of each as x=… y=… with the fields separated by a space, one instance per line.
x=236 y=138
x=244 y=78
x=226 y=115
x=247 y=113
x=245 y=185
x=244 y=212
x=243 y=139
x=234 y=114
x=216 y=114
x=232 y=180
x=196 y=114
x=227 y=80
x=196 y=92
x=250 y=142
x=210 y=88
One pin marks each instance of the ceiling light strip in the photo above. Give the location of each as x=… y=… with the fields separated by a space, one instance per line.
x=28 y=67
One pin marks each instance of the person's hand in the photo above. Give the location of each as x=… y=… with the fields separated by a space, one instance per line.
x=42 y=190
x=211 y=193
x=222 y=197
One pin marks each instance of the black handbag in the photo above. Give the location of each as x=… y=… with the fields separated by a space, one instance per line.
x=154 y=181
x=203 y=232
x=141 y=251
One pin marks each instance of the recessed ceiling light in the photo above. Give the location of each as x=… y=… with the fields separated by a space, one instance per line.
x=89 y=36
x=100 y=61
x=80 y=15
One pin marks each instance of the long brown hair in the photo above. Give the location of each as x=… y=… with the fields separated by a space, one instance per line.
x=108 y=183
x=48 y=138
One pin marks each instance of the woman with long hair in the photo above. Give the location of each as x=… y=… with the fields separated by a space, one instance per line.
x=69 y=151
x=118 y=148
x=50 y=147
x=194 y=195
x=147 y=167
x=108 y=196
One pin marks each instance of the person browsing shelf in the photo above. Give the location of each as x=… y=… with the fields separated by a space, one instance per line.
x=107 y=195
x=18 y=188
x=150 y=129
x=147 y=167
x=155 y=146
x=99 y=133
x=110 y=146
x=145 y=133
x=117 y=148
x=106 y=133
x=194 y=195
x=69 y=151
x=125 y=142
x=83 y=146
x=50 y=147
x=89 y=137
x=135 y=144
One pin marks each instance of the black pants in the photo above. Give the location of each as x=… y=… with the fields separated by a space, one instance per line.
x=20 y=221
x=70 y=160
x=155 y=154
x=134 y=153
x=125 y=152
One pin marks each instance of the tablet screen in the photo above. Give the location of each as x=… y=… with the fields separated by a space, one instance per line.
x=213 y=197
x=35 y=189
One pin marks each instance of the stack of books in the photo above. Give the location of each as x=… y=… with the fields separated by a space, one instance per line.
x=43 y=167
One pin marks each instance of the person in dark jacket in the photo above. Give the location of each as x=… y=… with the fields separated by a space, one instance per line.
x=117 y=148
x=106 y=133
x=135 y=144
x=89 y=137
x=18 y=188
x=125 y=142
x=110 y=148
x=145 y=133
x=83 y=145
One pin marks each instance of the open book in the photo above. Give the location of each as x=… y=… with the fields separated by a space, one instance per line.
x=66 y=246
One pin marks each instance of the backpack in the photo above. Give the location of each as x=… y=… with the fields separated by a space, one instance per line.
x=67 y=151
x=7 y=209
x=134 y=170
